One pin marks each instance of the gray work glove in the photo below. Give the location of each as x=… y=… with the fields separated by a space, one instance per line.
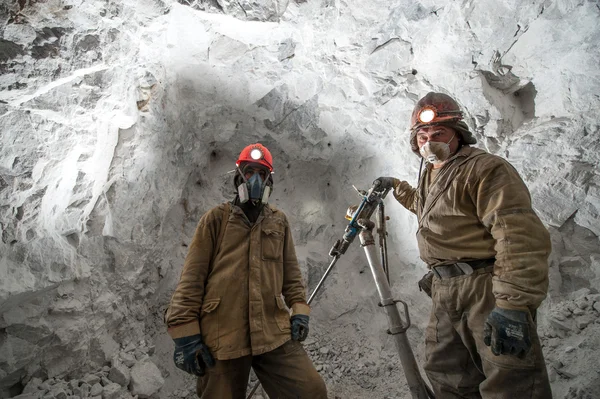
x=425 y=283
x=381 y=183
x=299 y=327
x=192 y=355
x=506 y=332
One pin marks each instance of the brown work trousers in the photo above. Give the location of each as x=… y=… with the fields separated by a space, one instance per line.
x=459 y=364
x=285 y=373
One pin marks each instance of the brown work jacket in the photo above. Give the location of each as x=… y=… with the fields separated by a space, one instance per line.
x=478 y=207
x=236 y=303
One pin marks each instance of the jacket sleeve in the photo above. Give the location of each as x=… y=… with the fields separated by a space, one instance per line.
x=293 y=289
x=406 y=195
x=522 y=243
x=182 y=315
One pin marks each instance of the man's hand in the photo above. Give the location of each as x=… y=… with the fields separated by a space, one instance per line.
x=382 y=183
x=506 y=331
x=299 y=327
x=192 y=355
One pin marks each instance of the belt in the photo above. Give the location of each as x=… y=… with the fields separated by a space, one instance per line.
x=461 y=268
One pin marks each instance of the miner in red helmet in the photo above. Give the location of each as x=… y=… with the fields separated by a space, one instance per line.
x=487 y=252
x=229 y=312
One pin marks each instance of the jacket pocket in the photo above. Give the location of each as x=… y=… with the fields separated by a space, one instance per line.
x=282 y=315
x=272 y=244
x=209 y=323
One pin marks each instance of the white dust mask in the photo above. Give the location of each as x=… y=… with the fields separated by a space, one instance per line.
x=436 y=152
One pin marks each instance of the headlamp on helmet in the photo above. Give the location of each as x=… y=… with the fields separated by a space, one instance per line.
x=256 y=154
x=433 y=109
x=426 y=115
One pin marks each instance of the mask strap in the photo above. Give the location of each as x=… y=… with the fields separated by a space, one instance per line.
x=420 y=170
x=241 y=174
x=451 y=138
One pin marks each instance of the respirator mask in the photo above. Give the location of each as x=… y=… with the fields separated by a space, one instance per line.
x=256 y=187
x=436 y=152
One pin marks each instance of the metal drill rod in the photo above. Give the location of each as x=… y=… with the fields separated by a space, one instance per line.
x=397 y=327
x=311 y=297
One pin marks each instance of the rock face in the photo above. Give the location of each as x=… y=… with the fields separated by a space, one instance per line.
x=119 y=123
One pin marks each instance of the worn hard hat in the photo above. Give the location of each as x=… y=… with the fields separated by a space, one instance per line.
x=435 y=108
x=256 y=153
x=438 y=109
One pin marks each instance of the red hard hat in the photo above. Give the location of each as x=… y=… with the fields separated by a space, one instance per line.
x=435 y=108
x=256 y=153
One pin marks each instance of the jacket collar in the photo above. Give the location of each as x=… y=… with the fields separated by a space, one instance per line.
x=446 y=175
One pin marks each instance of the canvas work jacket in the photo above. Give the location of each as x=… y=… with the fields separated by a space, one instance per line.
x=478 y=207
x=240 y=302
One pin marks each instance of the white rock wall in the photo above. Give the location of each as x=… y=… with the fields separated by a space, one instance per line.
x=120 y=120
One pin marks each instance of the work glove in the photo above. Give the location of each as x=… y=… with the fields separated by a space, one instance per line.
x=425 y=283
x=506 y=331
x=299 y=327
x=381 y=183
x=192 y=355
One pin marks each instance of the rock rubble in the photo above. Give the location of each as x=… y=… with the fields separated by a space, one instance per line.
x=126 y=378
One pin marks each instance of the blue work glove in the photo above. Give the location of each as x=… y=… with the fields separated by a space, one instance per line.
x=192 y=355
x=506 y=332
x=299 y=327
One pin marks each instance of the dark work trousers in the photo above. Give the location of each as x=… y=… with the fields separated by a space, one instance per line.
x=285 y=373
x=459 y=364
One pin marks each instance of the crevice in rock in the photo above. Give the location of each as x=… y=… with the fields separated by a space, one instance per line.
x=579 y=258
x=526 y=98
x=515 y=100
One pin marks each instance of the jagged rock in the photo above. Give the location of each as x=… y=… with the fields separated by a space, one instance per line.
x=91 y=379
x=128 y=359
x=140 y=354
x=58 y=393
x=560 y=324
x=73 y=384
x=146 y=379
x=270 y=10
x=85 y=389
x=119 y=373
x=584 y=321
x=30 y=395
x=593 y=298
x=565 y=374
x=33 y=385
x=582 y=303
x=111 y=391
x=96 y=389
